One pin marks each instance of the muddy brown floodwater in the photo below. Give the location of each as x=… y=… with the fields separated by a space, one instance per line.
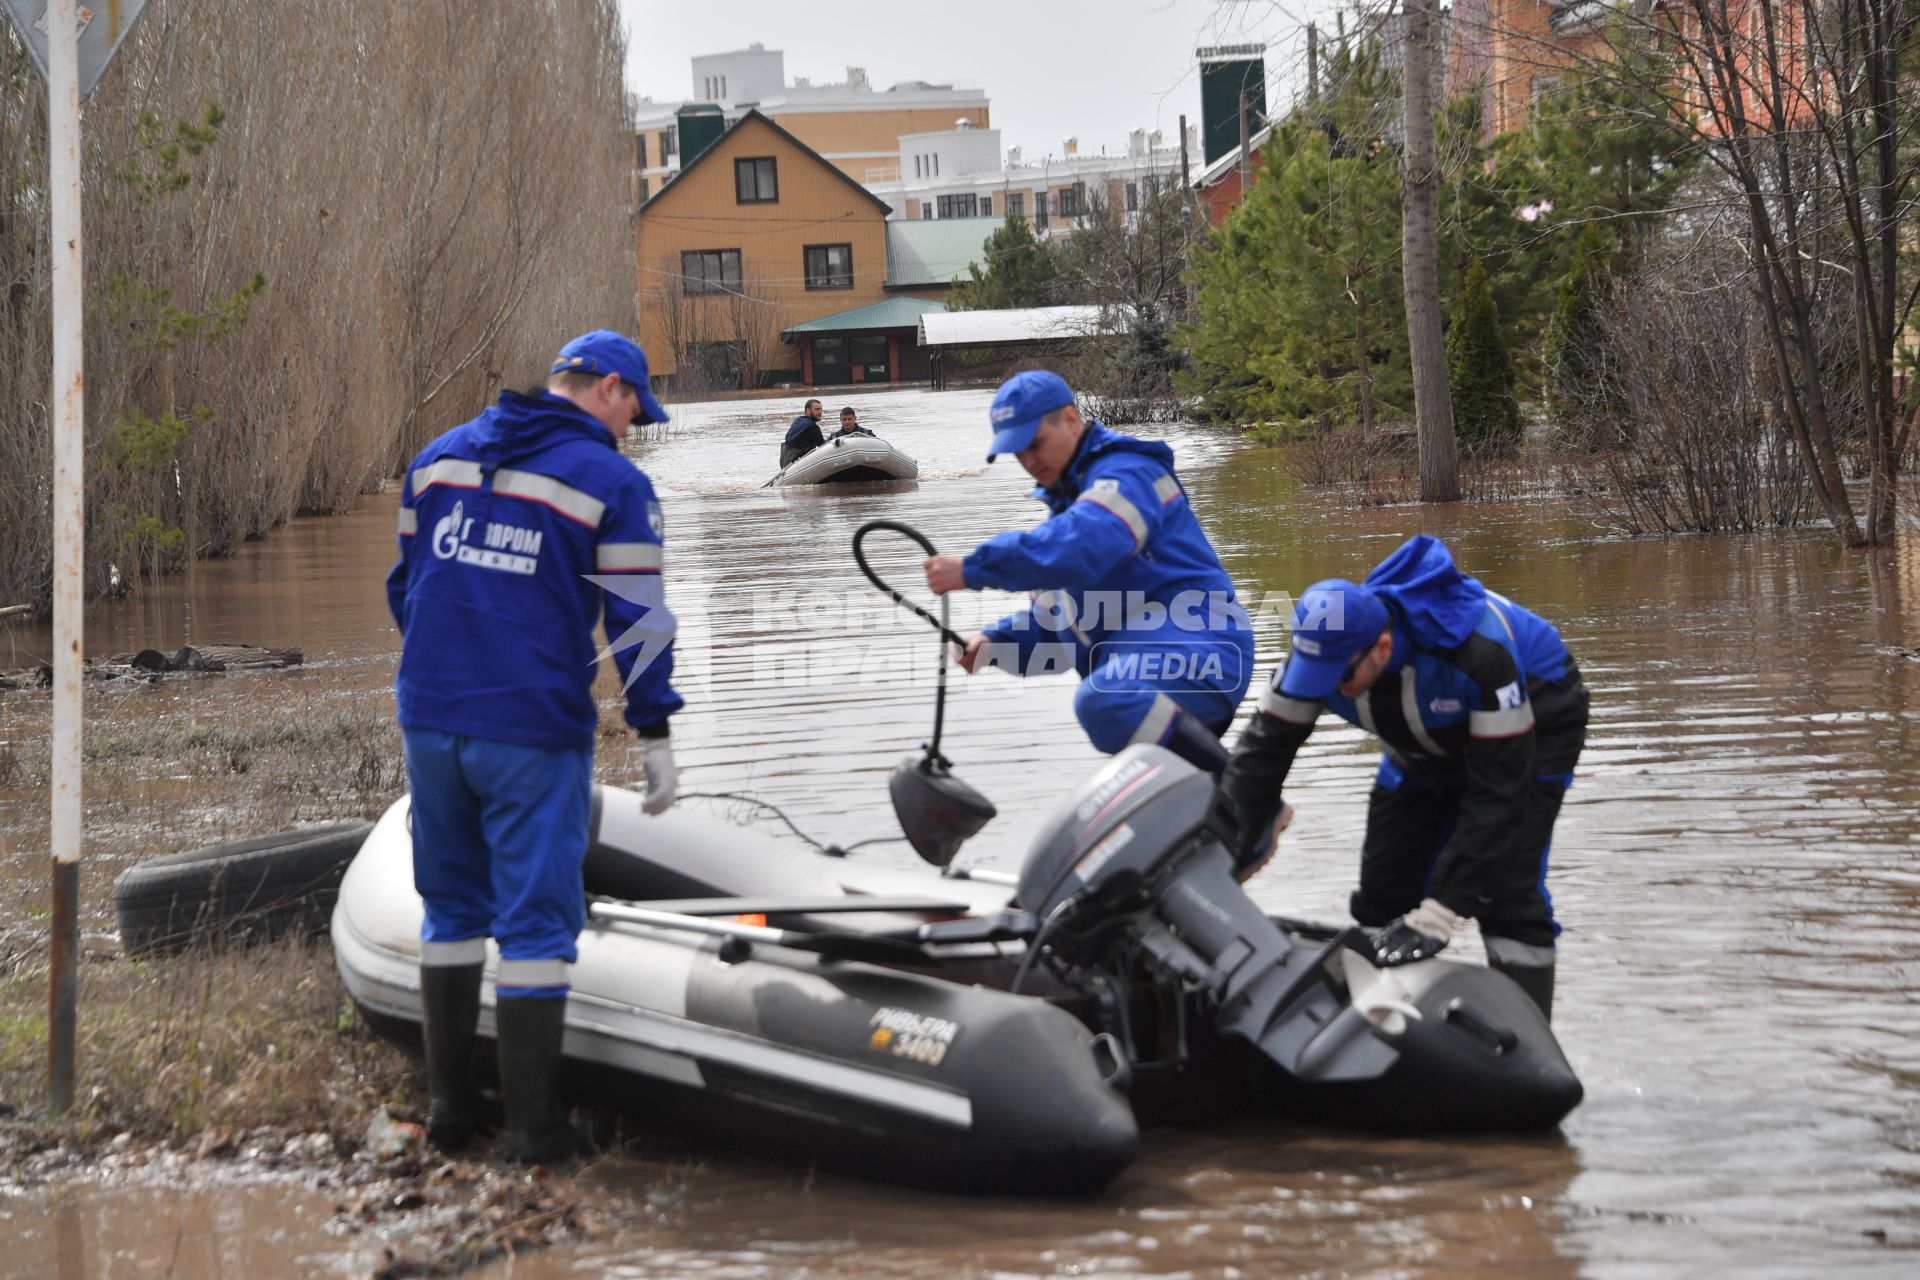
x=1737 y=870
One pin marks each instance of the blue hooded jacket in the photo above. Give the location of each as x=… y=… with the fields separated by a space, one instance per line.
x=518 y=531
x=1122 y=556
x=1453 y=709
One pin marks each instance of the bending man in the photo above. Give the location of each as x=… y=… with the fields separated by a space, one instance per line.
x=1482 y=714
x=1127 y=590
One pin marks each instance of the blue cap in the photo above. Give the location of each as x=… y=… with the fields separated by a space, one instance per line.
x=602 y=352
x=1018 y=406
x=1333 y=622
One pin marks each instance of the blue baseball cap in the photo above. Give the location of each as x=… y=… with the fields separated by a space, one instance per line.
x=602 y=352
x=1018 y=406
x=1333 y=622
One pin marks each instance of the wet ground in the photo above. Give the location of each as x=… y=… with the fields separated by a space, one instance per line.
x=1737 y=869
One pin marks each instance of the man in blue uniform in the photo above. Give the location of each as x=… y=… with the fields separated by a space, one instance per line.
x=1482 y=714
x=803 y=435
x=518 y=531
x=1127 y=590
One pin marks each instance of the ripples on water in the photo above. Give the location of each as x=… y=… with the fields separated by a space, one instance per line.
x=1738 y=868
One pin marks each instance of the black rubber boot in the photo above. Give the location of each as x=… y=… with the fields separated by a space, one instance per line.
x=1534 y=979
x=450 y=1001
x=530 y=1034
x=1198 y=745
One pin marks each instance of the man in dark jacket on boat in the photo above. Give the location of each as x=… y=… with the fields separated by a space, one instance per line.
x=1482 y=714
x=1127 y=590
x=518 y=532
x=850 y=426
x=803 y=435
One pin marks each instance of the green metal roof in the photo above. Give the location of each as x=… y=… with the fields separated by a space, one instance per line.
x=923 y=252
x=894 y=313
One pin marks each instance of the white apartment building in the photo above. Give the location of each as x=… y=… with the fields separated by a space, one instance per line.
x=963 y=173
x=851 y=123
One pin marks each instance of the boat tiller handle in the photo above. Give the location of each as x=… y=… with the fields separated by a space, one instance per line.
x=940 y=624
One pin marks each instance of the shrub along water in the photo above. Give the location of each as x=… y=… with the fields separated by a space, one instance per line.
x=390 y=211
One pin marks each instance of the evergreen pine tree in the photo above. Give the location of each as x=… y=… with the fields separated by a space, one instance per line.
x=1479 y=373
x=1298 y=316
x=1575 y=348
x=1022 y=271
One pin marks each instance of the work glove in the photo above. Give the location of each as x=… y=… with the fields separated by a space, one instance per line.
x=1418 y=935
x=663 y=778
x=1249 y=837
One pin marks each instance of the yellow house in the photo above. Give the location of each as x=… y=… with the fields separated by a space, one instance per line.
x=758 y=234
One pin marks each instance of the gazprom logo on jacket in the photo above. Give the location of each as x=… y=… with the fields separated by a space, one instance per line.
x=504 y=546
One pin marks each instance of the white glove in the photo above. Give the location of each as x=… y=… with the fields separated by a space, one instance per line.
x=663 y=778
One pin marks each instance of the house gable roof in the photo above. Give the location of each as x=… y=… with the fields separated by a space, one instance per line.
x=735 y=127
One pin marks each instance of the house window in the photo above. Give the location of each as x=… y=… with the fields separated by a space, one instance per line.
x=669 y=144
x=829 y=266
x=1016 y=204
x=1133 y=197
x=1544 y=87
x=1150 y=186
x=645 y=191
x=1070 y=198
x=755 y=181
x=967 y=206
x=936 y=164
x=705 y=271
x=926 y=211
x=830 y=351
x=1040 y=209
x=986 y=206
x=639 y=150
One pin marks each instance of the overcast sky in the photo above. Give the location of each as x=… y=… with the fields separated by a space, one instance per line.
x=1094 y=69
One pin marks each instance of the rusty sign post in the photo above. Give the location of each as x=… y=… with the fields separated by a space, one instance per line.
x=72 y=45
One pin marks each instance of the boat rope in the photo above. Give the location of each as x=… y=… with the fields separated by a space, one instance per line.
x=831 y=850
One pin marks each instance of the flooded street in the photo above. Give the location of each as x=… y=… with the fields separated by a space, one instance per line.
x=1737 y=871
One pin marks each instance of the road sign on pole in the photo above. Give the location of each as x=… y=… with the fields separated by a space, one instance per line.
x=72 y=47
x=98 y=29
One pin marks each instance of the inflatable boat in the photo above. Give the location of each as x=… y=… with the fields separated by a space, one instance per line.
x=956 y=1030
x=848 y=460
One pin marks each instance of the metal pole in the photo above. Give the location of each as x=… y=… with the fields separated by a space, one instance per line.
x=1313 y=64
x=1246 y=143
x=63 y=136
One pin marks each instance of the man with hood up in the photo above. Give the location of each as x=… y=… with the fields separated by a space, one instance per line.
x=519 y=531
x=1127 y=590
x=1482 y=715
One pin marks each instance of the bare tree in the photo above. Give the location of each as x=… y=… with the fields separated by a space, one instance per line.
x=1420 y=253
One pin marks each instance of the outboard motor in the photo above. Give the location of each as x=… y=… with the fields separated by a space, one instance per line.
x=1126 y=881
x=1129 y=860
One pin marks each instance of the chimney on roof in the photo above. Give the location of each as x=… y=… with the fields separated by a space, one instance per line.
x=1073 y=146
x=756 y=47
x=1013 y=157
x=1137 y=143
x=856 y=77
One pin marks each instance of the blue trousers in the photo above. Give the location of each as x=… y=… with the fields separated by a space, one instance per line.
x=499 y=835
x=1136 y=687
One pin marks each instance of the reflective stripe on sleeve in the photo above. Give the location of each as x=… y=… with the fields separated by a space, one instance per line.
x=531 y=973
x=1292 y=710
x=564 y=498
x=1508 y=722
x=1113 y=501
x=457 y=472
x=441 y=955
x=409 y=522
x=1166 y=488
x=628 y=557
x=1410 y=708
x=1158 y=720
